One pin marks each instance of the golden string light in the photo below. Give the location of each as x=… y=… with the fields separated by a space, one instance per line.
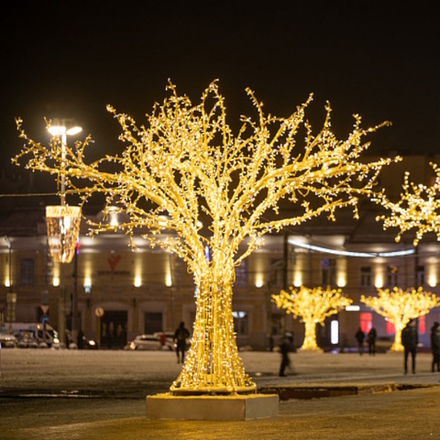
x=312 y=306
x=215 y=194
x=400 y=306
x=418 y=208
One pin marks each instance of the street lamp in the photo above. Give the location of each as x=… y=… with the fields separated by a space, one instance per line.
x=63 y=223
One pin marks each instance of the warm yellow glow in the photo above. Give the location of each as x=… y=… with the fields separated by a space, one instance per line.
x=87 y=284
x=312 y=306
x=259 y=280
x=341 y=269
x=7 y=282
x=74 y=130
x=378 y=280
x=400 y=306
x=137 y=281
x=298 y=269
x=342 y=281
x=432 y=280
x=58 y=130
x=190 y=167
x=56 y=281
x=168 y=280
x=168 y=271
x=114 y=219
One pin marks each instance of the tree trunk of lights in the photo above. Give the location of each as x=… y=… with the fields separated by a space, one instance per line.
x=310 y=336
x=213 y=364
x=397 y=344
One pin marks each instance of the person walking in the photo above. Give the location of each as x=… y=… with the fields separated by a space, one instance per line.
x=360 y=336
x=435 y=346
x=180 y=337
x=410 y=339
x=285 y=347
x=371 y=339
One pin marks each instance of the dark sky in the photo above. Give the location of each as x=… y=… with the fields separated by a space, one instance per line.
x=69 y=59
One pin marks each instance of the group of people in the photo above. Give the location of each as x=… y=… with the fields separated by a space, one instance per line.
x=410 y=340
x=371 y=339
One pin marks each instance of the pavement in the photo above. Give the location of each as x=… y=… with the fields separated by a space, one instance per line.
x=88 y=395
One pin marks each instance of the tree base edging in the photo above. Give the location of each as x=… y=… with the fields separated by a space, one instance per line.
x=232 y=407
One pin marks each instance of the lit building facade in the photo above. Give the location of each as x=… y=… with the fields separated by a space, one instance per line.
x=145 y=290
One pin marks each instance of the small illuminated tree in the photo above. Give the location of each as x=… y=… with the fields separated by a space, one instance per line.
x=400 y=306
x=418 y=208
x=312 y=305
x=216 y=195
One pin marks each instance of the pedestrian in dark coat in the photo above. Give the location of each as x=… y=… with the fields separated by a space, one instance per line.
x=360 y=336
x=435 y=346
x=371 y=338
x=410 y=339
x=180 y=338
x=285 y=347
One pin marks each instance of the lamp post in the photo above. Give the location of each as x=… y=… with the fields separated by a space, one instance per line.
x=11 y=298
x=63 y=224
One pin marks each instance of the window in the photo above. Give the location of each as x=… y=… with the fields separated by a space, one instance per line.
x=366 y=321
x=328 y=272
x=240 y=323
x=390 y=328
x=365 y=276
x=27 y=272
x=153 y=323
x=422 y=324
x=420 y=275
x=241 y=274
x=277 y=323
x=392 y=276
x=276 y=274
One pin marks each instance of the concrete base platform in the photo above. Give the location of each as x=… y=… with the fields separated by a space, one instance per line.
x=236 y=407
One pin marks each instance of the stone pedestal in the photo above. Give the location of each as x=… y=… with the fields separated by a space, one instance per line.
x=235 y=407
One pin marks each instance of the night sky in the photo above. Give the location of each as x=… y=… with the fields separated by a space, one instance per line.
x=69 y=59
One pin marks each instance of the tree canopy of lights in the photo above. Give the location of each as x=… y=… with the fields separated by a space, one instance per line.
x=184 y=175
x=418 y=209
x=400 y=306
x=312 y=305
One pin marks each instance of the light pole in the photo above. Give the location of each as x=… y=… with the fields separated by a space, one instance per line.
x=63 y=227
x=11 y=298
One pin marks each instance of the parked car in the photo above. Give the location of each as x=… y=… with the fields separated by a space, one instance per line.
x=7 y=340
x=88 y=343
x=169 y=342
x=45 y=335
x=146 y=342
x=26 y=340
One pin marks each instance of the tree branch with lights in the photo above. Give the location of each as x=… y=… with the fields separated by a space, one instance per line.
x=312 y=306
x=214 y=194
x=418 y=208
x=400 y=306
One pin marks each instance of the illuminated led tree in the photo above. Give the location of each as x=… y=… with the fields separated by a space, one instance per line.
x=215 y=195
x=400 y=306
x=418 y=208
x=312 y=305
